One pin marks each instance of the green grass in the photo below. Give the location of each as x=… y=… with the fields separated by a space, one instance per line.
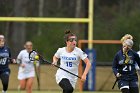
x=56 y=92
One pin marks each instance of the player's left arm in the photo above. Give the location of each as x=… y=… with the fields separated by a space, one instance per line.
x=11 y=60
x=88 y=65
x=85 y=58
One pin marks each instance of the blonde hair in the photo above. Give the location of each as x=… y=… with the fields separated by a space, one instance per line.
x=125 y=37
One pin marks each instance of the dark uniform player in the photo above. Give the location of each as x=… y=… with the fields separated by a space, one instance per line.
x=124 y=68
x=4 y=61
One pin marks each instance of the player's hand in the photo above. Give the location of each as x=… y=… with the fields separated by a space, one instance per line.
x=54 y=63
x=83 y=78
x=14 y=60
x=118 y=75
x=22 y=65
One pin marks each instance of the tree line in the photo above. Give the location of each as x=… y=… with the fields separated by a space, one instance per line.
x=112 y=19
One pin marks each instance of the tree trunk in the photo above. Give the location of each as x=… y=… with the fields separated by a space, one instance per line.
x=40 y=13
x=77 y=26
x=59 y=4
x=19 y=28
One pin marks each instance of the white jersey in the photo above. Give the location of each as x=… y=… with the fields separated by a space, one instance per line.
x=28 y=70
x=69 y=61
x=138 y=53
x=136 y=65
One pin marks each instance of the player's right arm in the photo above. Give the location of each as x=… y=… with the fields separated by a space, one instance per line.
x=19 y=59
x=115 y=66
x=56 y=57
x=55 y=60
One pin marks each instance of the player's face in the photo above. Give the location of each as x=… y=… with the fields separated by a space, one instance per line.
x=29 y=46
x=2 y=41
x=72 y=41
x=126 y=47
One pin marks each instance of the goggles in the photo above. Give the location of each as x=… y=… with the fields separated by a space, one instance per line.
x=72 y=39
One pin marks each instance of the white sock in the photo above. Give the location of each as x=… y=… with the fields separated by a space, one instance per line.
x=4 y=91
x=18 y=87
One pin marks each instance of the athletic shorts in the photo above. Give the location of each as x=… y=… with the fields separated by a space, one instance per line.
x=22 y=76
x=59 y=78
x=127 y=84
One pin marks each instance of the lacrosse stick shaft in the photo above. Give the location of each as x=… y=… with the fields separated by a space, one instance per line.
x=114 y=83
x=63 y=69
x=37 y=76
x=67 y=71
x=42 y=58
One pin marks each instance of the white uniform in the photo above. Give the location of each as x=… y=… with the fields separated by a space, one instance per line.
x=27 y=71
x=69 y=61
x=136 y=65
x=138 y=53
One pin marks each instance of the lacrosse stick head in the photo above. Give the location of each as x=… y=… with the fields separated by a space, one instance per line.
x=33 y=56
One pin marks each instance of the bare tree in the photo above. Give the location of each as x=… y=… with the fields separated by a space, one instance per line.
x=40 y=13
x=59 y=3
x=77 y=27
x=19 y=28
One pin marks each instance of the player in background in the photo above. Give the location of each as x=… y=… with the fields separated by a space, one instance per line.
x=128 y=36
x=26 y=71
x=138 y=68
x=124 y=68
x=70 y=56
x=5 y=59
x=125 y=37
x=139 y=51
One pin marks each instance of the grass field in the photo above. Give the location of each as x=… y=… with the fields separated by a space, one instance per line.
x=56 y=92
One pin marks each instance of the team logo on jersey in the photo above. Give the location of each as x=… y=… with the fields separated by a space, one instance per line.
x=4 y=54
x=121 y=62
x=5 y=49
x=68 y=58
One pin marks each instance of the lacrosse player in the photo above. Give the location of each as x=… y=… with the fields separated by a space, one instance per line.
x=70 y=56
x=26 y=71
x=124 y=67
x=5 y=59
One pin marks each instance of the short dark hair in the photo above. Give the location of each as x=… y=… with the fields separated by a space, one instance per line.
x=68 y=34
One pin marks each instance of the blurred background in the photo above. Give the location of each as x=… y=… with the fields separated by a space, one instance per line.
x=112 y=19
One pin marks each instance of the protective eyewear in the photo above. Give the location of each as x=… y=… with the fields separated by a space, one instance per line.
x=72 y=39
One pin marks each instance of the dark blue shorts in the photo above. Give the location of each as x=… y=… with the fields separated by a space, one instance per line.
x=127 y=83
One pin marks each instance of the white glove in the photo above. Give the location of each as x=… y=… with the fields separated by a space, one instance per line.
x=118 y=75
